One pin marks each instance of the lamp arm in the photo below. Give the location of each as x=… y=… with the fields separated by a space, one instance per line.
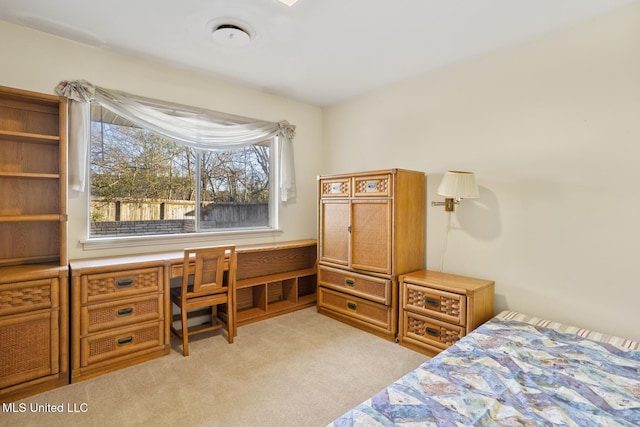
x=449 y=203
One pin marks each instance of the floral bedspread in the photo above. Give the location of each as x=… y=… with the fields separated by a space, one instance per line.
x=515 y=370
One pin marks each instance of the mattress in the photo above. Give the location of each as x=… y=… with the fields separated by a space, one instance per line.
x=515 y=370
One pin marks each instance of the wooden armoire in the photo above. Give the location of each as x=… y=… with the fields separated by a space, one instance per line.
x=371 y=229
x=34 y=314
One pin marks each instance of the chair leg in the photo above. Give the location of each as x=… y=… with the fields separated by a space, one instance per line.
x=231 y=321
x=185 y=333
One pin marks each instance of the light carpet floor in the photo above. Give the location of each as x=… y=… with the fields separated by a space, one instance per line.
x=300 y=369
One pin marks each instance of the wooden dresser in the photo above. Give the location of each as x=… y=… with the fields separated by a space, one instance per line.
x=33 y=243
x=119 y=308
x=437 y=309
x=371 y=229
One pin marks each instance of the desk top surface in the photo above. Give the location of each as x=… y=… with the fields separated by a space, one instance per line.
x=160 y=258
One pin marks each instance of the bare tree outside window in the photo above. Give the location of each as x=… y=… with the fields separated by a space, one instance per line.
x=143 y=183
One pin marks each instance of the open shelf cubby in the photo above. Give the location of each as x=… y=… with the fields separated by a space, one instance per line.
x=275 y=280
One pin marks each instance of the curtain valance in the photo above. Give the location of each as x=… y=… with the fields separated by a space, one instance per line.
x=196 y=127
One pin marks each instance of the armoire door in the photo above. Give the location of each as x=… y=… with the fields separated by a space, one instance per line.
x=371 y=222
x=334 y=231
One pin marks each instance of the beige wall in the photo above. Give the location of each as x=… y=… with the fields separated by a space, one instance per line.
x=552 y=130
x=37 y=62
x=549 y=127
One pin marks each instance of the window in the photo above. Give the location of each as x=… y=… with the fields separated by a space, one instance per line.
x=145 y=184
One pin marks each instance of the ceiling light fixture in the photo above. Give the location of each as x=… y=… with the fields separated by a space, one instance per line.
x=288 y=2
x=231 y=35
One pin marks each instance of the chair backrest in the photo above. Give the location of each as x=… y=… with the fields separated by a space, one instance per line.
x=211 y=263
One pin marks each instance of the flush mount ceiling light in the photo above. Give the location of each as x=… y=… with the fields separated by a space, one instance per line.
x=230 y=32
x=231 y=35
x=288 y=2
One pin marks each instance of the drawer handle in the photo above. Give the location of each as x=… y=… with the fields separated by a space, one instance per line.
x=124 y=283
x=125 y=341
x=352 y=305
x=432 y=302
x=350 y=282
x=432 y=331
x=125 y=312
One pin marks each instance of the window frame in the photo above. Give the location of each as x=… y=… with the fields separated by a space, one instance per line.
x=273 y=229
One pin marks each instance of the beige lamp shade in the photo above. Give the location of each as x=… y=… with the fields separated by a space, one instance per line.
x=459 y=185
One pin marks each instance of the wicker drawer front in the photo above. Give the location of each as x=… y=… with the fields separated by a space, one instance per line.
x=28 y=296
x=98 y=317
x=432 y=332
x=358 y=308
x=100 y=287
x=372 y=186
x=27 y=350
x=373 y=288
x=442 y=305
x=334 y=187
x=121 y=342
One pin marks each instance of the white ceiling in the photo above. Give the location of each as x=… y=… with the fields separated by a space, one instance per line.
x=317 y=51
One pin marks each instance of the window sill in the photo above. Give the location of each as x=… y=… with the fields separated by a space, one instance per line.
x=191 y=239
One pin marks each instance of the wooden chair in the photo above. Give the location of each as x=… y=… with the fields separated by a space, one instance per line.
x=210 y=283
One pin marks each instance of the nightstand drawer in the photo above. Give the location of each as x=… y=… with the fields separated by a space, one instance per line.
x=109 y=315
x=357 y=308
x=430 y=331
x=105 y=286
x=442 y=305
x=121 y=342
x=373 y=288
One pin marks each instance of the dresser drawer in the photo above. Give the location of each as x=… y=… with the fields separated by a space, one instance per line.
x=368 y=186
x=442 y=305
x=109 y=315
x=121 y=342
x=21 y=297
x=357 y=308
x=429 y=331
x=118 y=284
x=373 y=288
x=338 y=187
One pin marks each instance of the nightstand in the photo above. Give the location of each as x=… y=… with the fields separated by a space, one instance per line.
x=437 y=309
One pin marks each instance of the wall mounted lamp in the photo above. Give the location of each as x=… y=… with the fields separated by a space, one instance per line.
x=455 y=186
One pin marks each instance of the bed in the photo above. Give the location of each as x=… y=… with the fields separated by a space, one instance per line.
x=515 y=370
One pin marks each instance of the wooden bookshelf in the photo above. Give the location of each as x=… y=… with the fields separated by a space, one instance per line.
x=33 y=243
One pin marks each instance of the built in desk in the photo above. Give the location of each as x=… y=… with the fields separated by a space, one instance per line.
x=121 y=310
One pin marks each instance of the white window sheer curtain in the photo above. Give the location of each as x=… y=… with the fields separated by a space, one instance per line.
x=199 y=128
